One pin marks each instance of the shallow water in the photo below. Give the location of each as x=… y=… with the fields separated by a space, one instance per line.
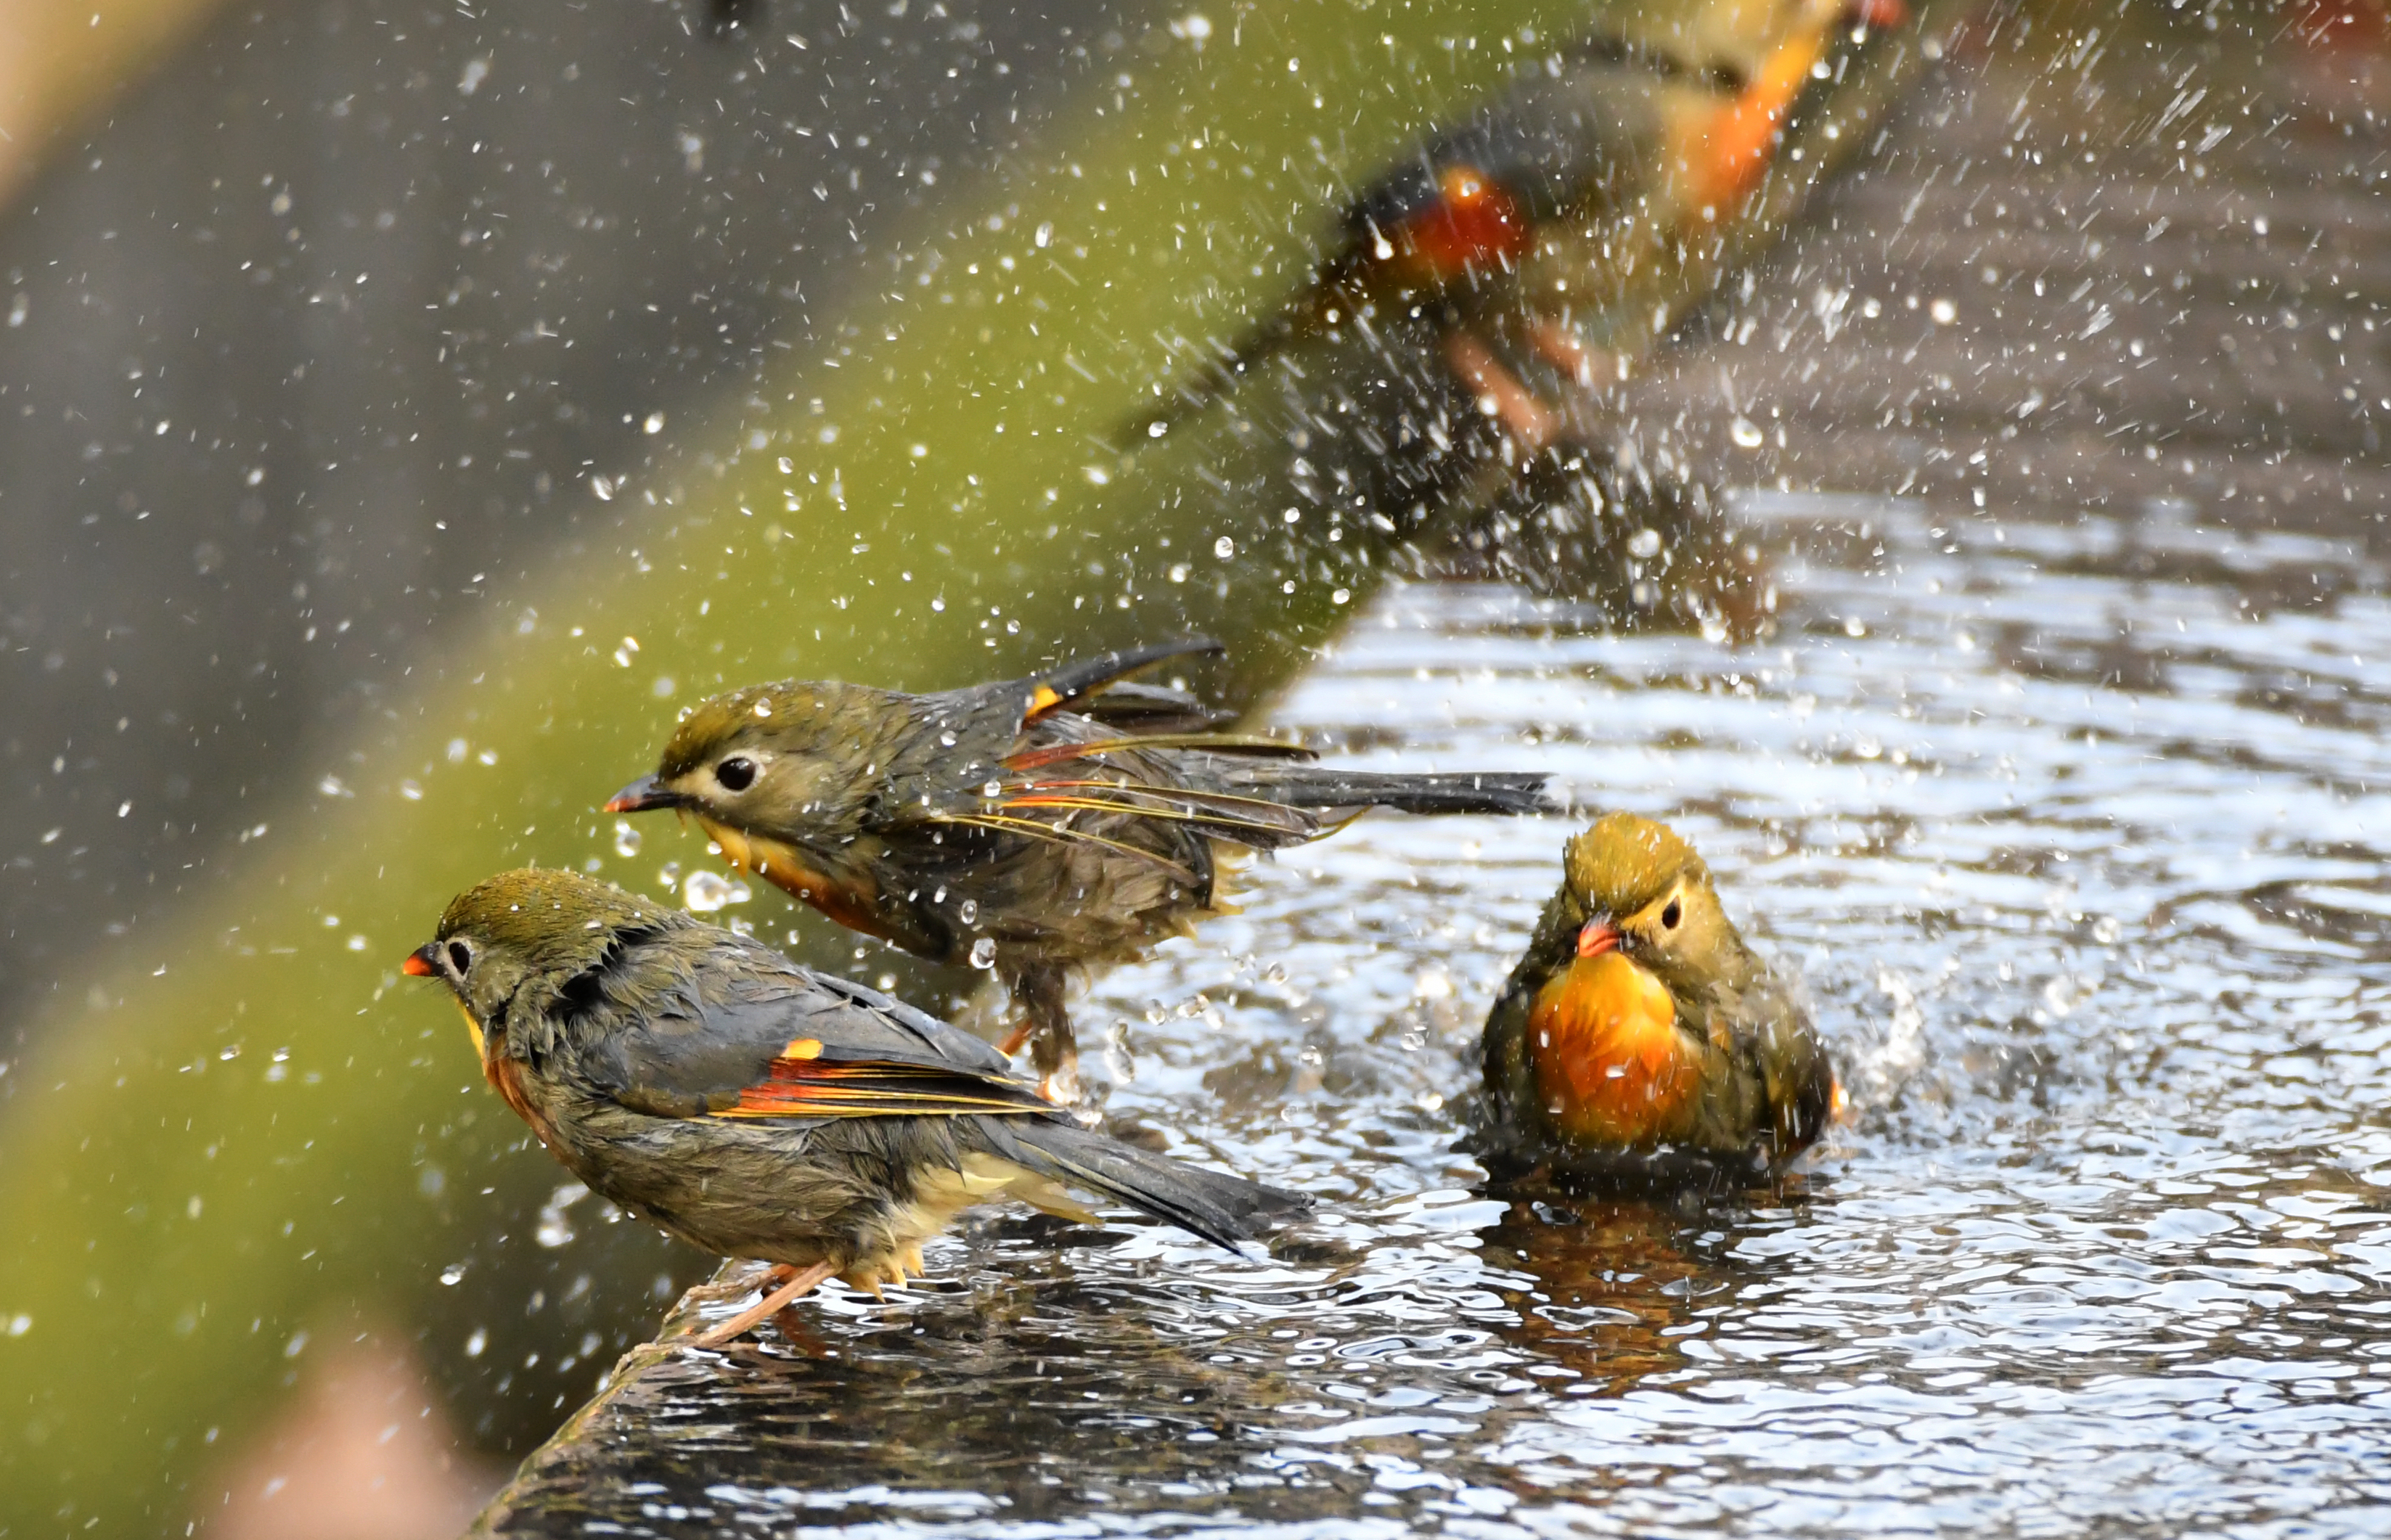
x=2076 y=827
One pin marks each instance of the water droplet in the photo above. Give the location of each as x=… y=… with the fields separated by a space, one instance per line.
x=453 y=1274
x=993 y=790
x=1855 y=626
x=1119 y=1062
x=1644 y=544
x=983 y=954
x=946 y=739
x=475 y=1343
x=626 y=839
x=969 y=911
x=1224 y=547
x=1944 y=312
x=708 y=891
x=1746 y=434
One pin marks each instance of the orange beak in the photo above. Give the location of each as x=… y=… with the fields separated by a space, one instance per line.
x=419 y=962
x=1598 y=936
x=1877 y=15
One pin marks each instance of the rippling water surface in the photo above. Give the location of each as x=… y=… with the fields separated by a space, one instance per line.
x=2076 y=827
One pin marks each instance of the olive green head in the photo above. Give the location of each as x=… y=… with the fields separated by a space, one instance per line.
x=1635 y=886
x=775 y=758
x=1622 y=862
x=533 y=924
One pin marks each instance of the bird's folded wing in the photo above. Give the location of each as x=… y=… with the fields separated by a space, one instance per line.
x=865 y=1024
x=820 y=1087
x=718 y=1037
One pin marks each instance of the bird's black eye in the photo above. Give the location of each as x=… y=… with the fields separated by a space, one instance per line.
x=736 y=773
x=1671 y=916
x=461 y=957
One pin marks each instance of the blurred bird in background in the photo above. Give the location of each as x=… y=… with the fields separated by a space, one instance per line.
x=1031 y=826
x=1512 y=229
x=1639 y=1036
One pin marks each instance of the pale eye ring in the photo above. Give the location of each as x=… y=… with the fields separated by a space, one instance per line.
x=736 y=773
x=461 y=957
x=1671 y=916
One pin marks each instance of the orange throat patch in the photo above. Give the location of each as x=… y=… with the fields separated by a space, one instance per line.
x=779 y=864
x=1611 y=1067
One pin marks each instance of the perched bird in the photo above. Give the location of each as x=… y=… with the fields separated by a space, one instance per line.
x=1030 y=826
x=1639 y=1035
x=754 y=1107
x=1622 y=151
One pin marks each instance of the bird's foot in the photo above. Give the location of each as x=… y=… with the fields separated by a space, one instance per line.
x=796 y=1285
x=1061 y=1086
x=1560 y=346
x=1530 y=424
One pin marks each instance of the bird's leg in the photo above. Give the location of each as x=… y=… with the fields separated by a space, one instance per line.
x=1500 y=393
x=1561 y=347
x=770 y=1304
x=1038 y=990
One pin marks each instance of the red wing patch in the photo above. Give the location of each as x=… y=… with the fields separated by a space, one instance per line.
x=1473 y=223
x=812 y=1087
x=1217 y=742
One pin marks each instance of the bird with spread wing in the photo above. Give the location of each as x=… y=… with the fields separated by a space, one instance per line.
x=1033 y=826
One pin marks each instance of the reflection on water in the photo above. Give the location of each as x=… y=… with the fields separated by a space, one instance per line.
x=2077 y=830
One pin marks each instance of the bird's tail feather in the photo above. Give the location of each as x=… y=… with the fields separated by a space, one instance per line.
x=1326 y=786
x=1225 y=1209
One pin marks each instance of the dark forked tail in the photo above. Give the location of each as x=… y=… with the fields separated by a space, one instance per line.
x=1324 y=786
x=1223 y=1208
